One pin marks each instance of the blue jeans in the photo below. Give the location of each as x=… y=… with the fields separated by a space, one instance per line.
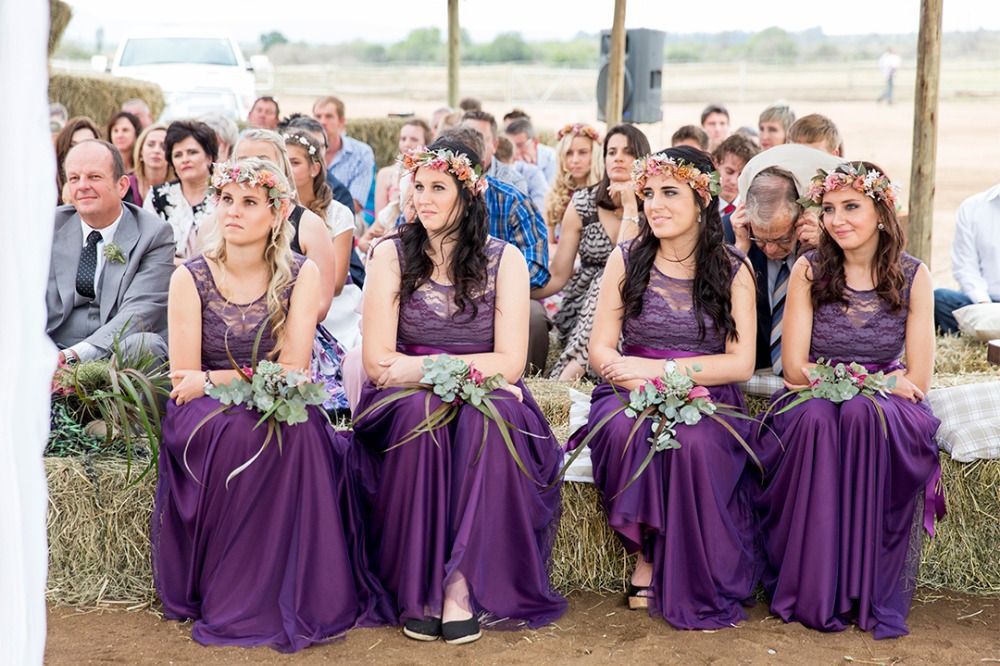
x=946 y=301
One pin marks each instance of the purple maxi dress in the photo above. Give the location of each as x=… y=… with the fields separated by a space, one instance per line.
x=689 y=512
x=277 y=559
x=445 y=509
x=843 y=506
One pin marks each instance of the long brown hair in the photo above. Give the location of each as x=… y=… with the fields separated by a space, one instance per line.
x=829 y=280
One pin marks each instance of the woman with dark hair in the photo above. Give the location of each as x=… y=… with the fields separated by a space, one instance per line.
x=597 y=218
x=190 y=146
x=123 y=132
x=683 y=304
x=850 y=485
x=460 y=531
x=76 y=129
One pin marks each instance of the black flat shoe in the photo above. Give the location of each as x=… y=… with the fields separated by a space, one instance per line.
x=461 y=631
x=638 y=597
x=423 y=630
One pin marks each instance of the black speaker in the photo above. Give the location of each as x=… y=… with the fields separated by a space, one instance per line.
x=643 y=75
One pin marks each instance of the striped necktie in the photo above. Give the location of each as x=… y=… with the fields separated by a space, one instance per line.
x=777 y=311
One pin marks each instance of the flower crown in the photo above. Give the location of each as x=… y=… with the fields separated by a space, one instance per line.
x=705 y=185
x=460 y=166
x=224 y=174
x=298 y=138
x=873 y=184
x=579 y=129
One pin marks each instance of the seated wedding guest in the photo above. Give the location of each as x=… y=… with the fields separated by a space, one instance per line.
x=150 y=159
x=513 y=115
x=597 y=219
x=413 y=133
x=140 y=110
x=469 y=104
x=529 y=149
x=350 y=161
x=532 y=175
x=341 y=194
x=771 y=227
x=76 y=129
x=817 y=131
x=975 y=258
x=514 y=218
x=190 y=146
x=774 y=123
x=846 y=483
x=730 y=158
x=460 y=528
x=715 y=122
x=226 y=133
x=305 y=156
x=287 y=570
x=682 y=303
x=264 y=113
x=58 y=116
x=111 y=263
x=690 y=135
x=123 y=132
x=580 y=164
x=486 y=124
x=439 y=114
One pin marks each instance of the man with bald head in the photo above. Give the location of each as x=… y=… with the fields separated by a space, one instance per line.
x=111 y=263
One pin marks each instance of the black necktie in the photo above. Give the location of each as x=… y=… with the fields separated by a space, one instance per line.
x=88 y=266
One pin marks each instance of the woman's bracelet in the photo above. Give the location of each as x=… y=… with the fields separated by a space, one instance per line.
x=634 y=219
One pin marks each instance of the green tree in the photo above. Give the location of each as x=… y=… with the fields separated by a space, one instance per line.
x=772 y=44
x=269 y=39
x=421 y=45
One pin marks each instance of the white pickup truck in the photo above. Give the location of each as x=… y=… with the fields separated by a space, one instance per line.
x=198 y=70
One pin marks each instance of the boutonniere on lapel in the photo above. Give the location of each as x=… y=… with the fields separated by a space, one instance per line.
x=113 y=253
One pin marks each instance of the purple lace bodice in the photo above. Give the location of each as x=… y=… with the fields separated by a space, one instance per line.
x=667 y=320
x=864 y=329
x=428 y=318
x=224 y=323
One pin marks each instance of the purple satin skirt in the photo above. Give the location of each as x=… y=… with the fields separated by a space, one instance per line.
x=456 y=507
x=689 y=513
x=843 y=509
x=278 y=558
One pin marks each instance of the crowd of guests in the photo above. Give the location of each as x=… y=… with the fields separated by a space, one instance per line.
x=725 y=256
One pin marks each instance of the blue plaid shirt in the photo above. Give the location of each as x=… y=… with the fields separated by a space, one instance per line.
x=515 y=219
x=354 y=166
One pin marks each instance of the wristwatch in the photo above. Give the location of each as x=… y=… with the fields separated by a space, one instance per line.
x=669 y=365
x=209 y=384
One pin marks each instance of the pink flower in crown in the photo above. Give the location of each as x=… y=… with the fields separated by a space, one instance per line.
x=475 y=375
x=658 y=384
x=698 y=392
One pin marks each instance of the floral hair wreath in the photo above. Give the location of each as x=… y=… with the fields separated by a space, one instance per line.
x=705 y=185
x=298 y=138
x=443 y=159
x=224 y=174
x=579 y=129
x=872 y=184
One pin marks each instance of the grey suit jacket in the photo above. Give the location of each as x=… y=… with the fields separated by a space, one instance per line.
x=134 y=292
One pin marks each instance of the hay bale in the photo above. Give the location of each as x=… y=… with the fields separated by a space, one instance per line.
x=382 y=134
x=59 y=16
x=552 y=397
x=98 y=530
x=99 y=96
x=965 y=554
x=958 y=355
x=587 y=555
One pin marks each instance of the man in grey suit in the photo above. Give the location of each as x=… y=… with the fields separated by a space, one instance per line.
x=111 y=263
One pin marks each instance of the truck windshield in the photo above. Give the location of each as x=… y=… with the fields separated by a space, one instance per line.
x=178 y=50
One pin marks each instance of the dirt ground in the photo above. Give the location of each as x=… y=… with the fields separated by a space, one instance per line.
x=945 y=628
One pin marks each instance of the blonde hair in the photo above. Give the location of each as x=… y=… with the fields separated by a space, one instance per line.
x=139 y=165
x=277 y=255
x=278 y=142
x=563 y=186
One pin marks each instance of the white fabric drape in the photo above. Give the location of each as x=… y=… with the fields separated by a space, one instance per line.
x=27 y=190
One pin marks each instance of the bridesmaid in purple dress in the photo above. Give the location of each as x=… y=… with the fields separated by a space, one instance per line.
x=459 y=534
x=844 y=505
x=276 y=558
x=679 y=299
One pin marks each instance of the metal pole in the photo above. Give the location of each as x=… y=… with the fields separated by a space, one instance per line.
x=454 y=43
x=925 y=111
x=616 y=68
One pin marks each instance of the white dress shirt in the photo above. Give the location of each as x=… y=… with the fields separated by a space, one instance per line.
x=84 y=350
x=975 y=249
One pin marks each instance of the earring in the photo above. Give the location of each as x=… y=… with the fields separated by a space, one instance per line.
x=881 y=226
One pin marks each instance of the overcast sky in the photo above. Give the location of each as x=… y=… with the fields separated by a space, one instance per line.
x=385 y=21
